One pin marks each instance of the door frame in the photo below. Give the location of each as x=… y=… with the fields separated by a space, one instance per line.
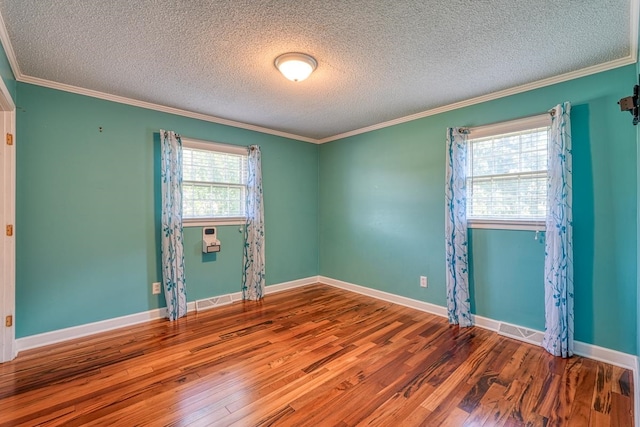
x=7 y=217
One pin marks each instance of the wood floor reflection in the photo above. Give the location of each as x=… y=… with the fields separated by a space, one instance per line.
x=312 y=356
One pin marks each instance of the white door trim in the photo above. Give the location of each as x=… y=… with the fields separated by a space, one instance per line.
x=7 y=216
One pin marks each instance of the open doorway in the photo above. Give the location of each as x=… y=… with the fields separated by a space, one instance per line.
x=7 y=224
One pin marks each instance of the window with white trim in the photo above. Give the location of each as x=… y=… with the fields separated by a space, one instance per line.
x=507 y=174
x=214 y=182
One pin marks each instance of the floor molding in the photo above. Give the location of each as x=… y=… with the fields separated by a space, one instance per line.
x=602 y=354
x=54 y=337
x=272 y=289
x=386 y=296
x=60 y=335
x=591 y=351
x=613 y=357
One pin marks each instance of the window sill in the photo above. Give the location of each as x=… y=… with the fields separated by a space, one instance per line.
x=506 y=225
x=212 y=222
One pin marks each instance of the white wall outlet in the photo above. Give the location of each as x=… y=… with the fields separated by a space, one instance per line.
x=423 y=281
x=155 y=288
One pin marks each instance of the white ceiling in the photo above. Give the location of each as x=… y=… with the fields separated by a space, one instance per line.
x=377 y=60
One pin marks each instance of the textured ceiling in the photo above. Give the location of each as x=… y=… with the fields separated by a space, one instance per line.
x=377 y=60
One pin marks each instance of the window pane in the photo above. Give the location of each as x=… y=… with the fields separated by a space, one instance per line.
x=213 y=166
x=507 y=176
x=515 y=197
x=212 y=200
x=214 y=184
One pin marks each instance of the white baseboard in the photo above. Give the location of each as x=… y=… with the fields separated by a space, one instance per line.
x=485 y=322
x=613 y=357
x=601 y=354
x=54 y=337
x=591 y=351
x=272 y=289
x=386 y=296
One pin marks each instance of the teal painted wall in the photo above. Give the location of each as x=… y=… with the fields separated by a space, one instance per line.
x=638 y=260
x=88 y=216
x=637 y=415
x=491 y=284
x=382 y=213
x=87 y=207
x=6 y=73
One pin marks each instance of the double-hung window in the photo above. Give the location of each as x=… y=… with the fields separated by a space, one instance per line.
x=507 y=174
x=214 y=183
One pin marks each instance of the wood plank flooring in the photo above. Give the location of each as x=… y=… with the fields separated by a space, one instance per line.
x=312 y=356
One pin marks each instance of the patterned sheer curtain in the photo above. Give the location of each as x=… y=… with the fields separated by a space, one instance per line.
x=457 y=275
x=172 y=244
x=558 y=259
x=253 y=281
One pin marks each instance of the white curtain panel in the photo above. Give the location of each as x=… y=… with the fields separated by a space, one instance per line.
x=558 y=260
x=457 y=274
x=253 y=281
x=172 y=242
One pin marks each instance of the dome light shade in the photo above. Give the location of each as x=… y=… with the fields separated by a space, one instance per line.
x=296 y=66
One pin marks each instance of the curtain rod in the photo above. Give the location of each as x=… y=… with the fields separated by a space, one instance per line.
x=213 y=143
x=468 y=130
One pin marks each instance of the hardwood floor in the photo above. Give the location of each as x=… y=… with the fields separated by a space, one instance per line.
x=313 y=356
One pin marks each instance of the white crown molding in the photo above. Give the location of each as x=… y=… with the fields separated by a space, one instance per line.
x=157 y=107
x=457 y=105
x=15 y=67
x=631 y=59
x=8 y=49
x=634 y=28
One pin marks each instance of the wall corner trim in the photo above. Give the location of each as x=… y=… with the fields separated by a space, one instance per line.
x=61 y=335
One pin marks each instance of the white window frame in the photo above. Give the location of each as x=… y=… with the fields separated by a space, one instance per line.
x=518 y=125
x=222 y=148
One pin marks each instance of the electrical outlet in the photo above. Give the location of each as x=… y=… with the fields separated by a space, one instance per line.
x=423 y=281
x=155 y=288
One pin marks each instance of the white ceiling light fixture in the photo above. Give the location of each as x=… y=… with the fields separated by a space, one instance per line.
x=296 y=66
